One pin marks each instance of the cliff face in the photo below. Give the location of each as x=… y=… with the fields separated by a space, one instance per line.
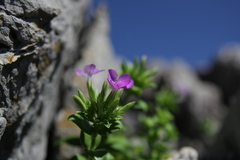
x=40 y=44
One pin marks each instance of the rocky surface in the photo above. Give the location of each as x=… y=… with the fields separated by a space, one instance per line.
x=225 y=74
x=209 y=104
x=227 y=143
x=186 y=153
x=208 y=99
x=225 y=71
x=199 y=105
x=38 y=41
x=41 y=42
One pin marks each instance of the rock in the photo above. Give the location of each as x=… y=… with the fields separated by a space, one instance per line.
x=39 y=40
x=39 y=12
x=227 y=142
x=3 y=123
x=225 y=71
x=199 y=105
x=185 y=153
x=204 y=98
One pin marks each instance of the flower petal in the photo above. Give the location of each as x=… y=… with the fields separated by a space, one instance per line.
x=79 y=72
x=130 y=84
x=88 y=69
x=124 y=80
x=96 y=71
x=112 y=74
x=111 y=82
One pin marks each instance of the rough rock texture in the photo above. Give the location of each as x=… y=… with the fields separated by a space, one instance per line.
x=39 y=41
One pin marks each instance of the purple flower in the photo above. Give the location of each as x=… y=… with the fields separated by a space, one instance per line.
x=89 y=70
x=124 y=81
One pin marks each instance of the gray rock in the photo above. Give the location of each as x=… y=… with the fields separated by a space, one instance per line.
x=227 y=143
x=225 y=71
x=204 y=97
x=3 y=123
x=37 y=45
x=185 y=153
x=199 y=104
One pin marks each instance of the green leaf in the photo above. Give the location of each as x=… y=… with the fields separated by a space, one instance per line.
x=115 y=126
x=112 y=106
x=118 y=94
x=81 y=123
x=85 y=140
x=135 y=61
x=147 y=122
x=135 y=90
x=142 y=65
x=71 y=140
x=153 y=85
x=171 y=131
x=166 y=99
x=113 y=95
x=101 y=96
x=102 y=129
x=91 y=91
x=143 y=105
x=134 y=72
x=80 y=103
x=107 y=128
x=78 y=157
x=81 y=95
x=126 y=107
x=153 y=71
x=119 y=142
x=97 y=152
x=108 y=156
x=164 y=116
x=98 y=139
x=110 y=98
x=148 y=74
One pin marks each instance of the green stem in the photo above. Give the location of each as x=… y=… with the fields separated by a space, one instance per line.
x=93 y=136
x=92 y=145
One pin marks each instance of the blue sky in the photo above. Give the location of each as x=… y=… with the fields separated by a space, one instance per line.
x=192 y=30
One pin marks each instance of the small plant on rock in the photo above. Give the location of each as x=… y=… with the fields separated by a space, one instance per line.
x=102 y=133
